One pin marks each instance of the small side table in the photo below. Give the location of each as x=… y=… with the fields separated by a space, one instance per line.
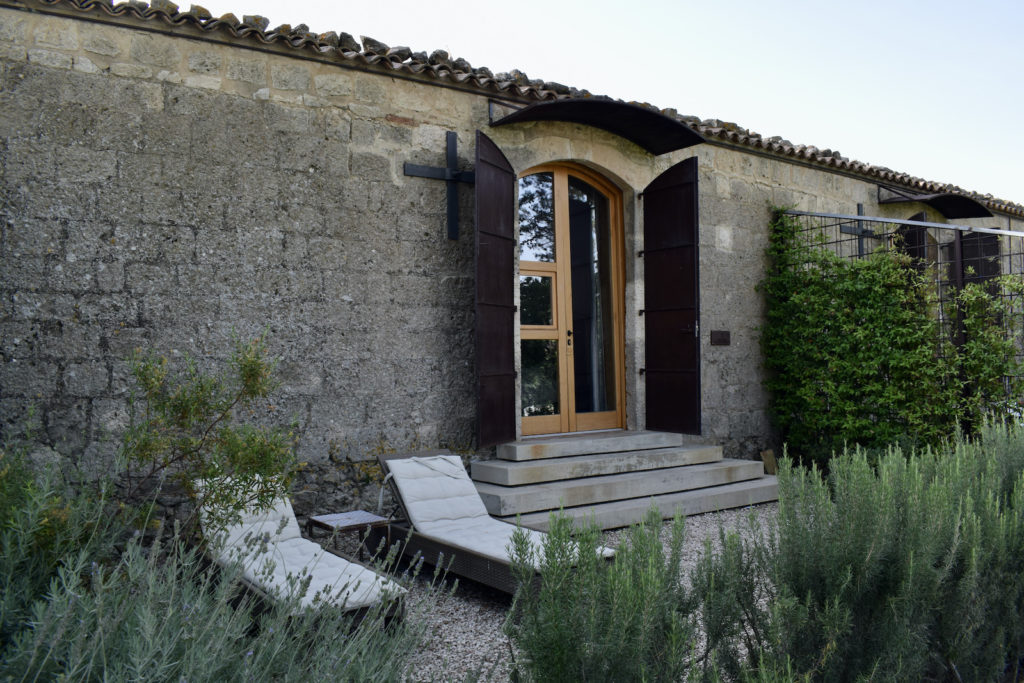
x=342 y=522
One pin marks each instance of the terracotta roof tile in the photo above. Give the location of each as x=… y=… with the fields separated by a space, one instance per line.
x=342 y=47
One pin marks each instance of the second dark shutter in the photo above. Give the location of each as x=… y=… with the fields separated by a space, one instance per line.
x=671 y=301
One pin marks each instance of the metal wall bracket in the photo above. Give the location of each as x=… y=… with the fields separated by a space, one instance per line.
x=451 y=175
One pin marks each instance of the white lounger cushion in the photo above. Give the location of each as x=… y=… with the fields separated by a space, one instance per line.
x=275 y=560
x=443 y=504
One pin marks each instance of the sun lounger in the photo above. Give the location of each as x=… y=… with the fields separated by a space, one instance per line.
x=275 y=559
x=448 y=519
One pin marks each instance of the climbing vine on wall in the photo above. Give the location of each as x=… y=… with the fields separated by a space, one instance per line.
x=856 y=355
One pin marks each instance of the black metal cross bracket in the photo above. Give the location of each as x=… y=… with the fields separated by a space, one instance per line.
x=451 y=175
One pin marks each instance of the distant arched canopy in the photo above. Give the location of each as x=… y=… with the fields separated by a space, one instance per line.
x=948 y=204
x=652 y=130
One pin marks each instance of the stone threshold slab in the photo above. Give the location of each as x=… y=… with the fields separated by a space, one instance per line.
x=518 y=473
x=563 y=445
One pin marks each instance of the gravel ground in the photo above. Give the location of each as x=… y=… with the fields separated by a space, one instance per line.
x=465 y=627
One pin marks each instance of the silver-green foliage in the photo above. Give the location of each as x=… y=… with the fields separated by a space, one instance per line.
x=906 y=568
x=98 y=604
x=899 y=567
x=38 y=531
x=588 y=619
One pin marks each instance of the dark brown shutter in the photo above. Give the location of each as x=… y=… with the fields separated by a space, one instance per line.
x=671 y=298
x=495 y=312
x=980 y=257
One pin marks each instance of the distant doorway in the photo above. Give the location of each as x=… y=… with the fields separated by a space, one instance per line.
x=571 y=286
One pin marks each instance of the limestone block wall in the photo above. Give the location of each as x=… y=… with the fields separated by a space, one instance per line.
x=163 y=193
x=172 y=193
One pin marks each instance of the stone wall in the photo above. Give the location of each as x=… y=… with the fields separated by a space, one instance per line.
x=172 y=193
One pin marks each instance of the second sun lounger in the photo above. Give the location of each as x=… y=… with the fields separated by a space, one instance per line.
x=448 y=520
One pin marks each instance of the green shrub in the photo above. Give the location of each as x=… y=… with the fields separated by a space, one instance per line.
x=40 y=527
x=183 y=431
x=590 y=620
x=161 y=614
x=733 y=592
x=855 y=354
x=75 y=607
x=851 y=348
x=907 y=568
x=903 y=567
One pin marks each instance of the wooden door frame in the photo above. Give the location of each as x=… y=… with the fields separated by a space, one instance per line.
x=568 y=420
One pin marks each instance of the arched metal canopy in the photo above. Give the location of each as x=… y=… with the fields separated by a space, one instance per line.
x=652 y=130
x=948 y=204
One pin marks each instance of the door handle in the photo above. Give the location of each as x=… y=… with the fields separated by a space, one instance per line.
x=568 y=337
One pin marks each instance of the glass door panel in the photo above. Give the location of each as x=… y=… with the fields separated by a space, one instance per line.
x=536 y=300
x=592 y=320
x=570 y=296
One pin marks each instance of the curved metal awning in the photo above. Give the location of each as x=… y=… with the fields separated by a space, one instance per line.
x=948 y=204
x=652 y=130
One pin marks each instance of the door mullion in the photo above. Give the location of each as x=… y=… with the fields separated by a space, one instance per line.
x=563 y=264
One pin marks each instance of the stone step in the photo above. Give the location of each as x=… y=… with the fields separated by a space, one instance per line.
x=536 y=448
x=503 y=501
x=622 y=513
x=517 y=473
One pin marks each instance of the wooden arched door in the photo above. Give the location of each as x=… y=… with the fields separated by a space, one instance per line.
x=571 y=301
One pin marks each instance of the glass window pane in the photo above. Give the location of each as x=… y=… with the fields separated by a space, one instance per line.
x=535 y=300
x=537 y=217
x=540 y=377
x=593 y=335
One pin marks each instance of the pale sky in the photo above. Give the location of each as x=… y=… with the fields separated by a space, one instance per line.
x=932 y=88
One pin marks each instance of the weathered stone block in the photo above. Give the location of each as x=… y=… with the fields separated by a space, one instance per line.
x=59 y=34
x=56 y=60
x=84 y=165
x=333 y=85
x=286 y=119
x=106 y=309
x=204 y=62
x=29 y=379
x=146 y=280
x=102 y=40
x=85 y=65
x=109 y=277
x=155 y=50
x=13 y=28
x=208 y=82
x=86 y=379
x=370 y=90
x=248 y=71
x=29 y=304
x=289 y=77
x=336 y=124
x=110 y=417
x=370 y=166
x=13 y=53
x=19 y=340
x=131 y=70
x=67 y=426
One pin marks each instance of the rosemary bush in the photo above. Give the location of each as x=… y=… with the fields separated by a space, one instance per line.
x=597 y=621
x=39 y=529
x=75 y=607
x=900 y=567
x=911 y=568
